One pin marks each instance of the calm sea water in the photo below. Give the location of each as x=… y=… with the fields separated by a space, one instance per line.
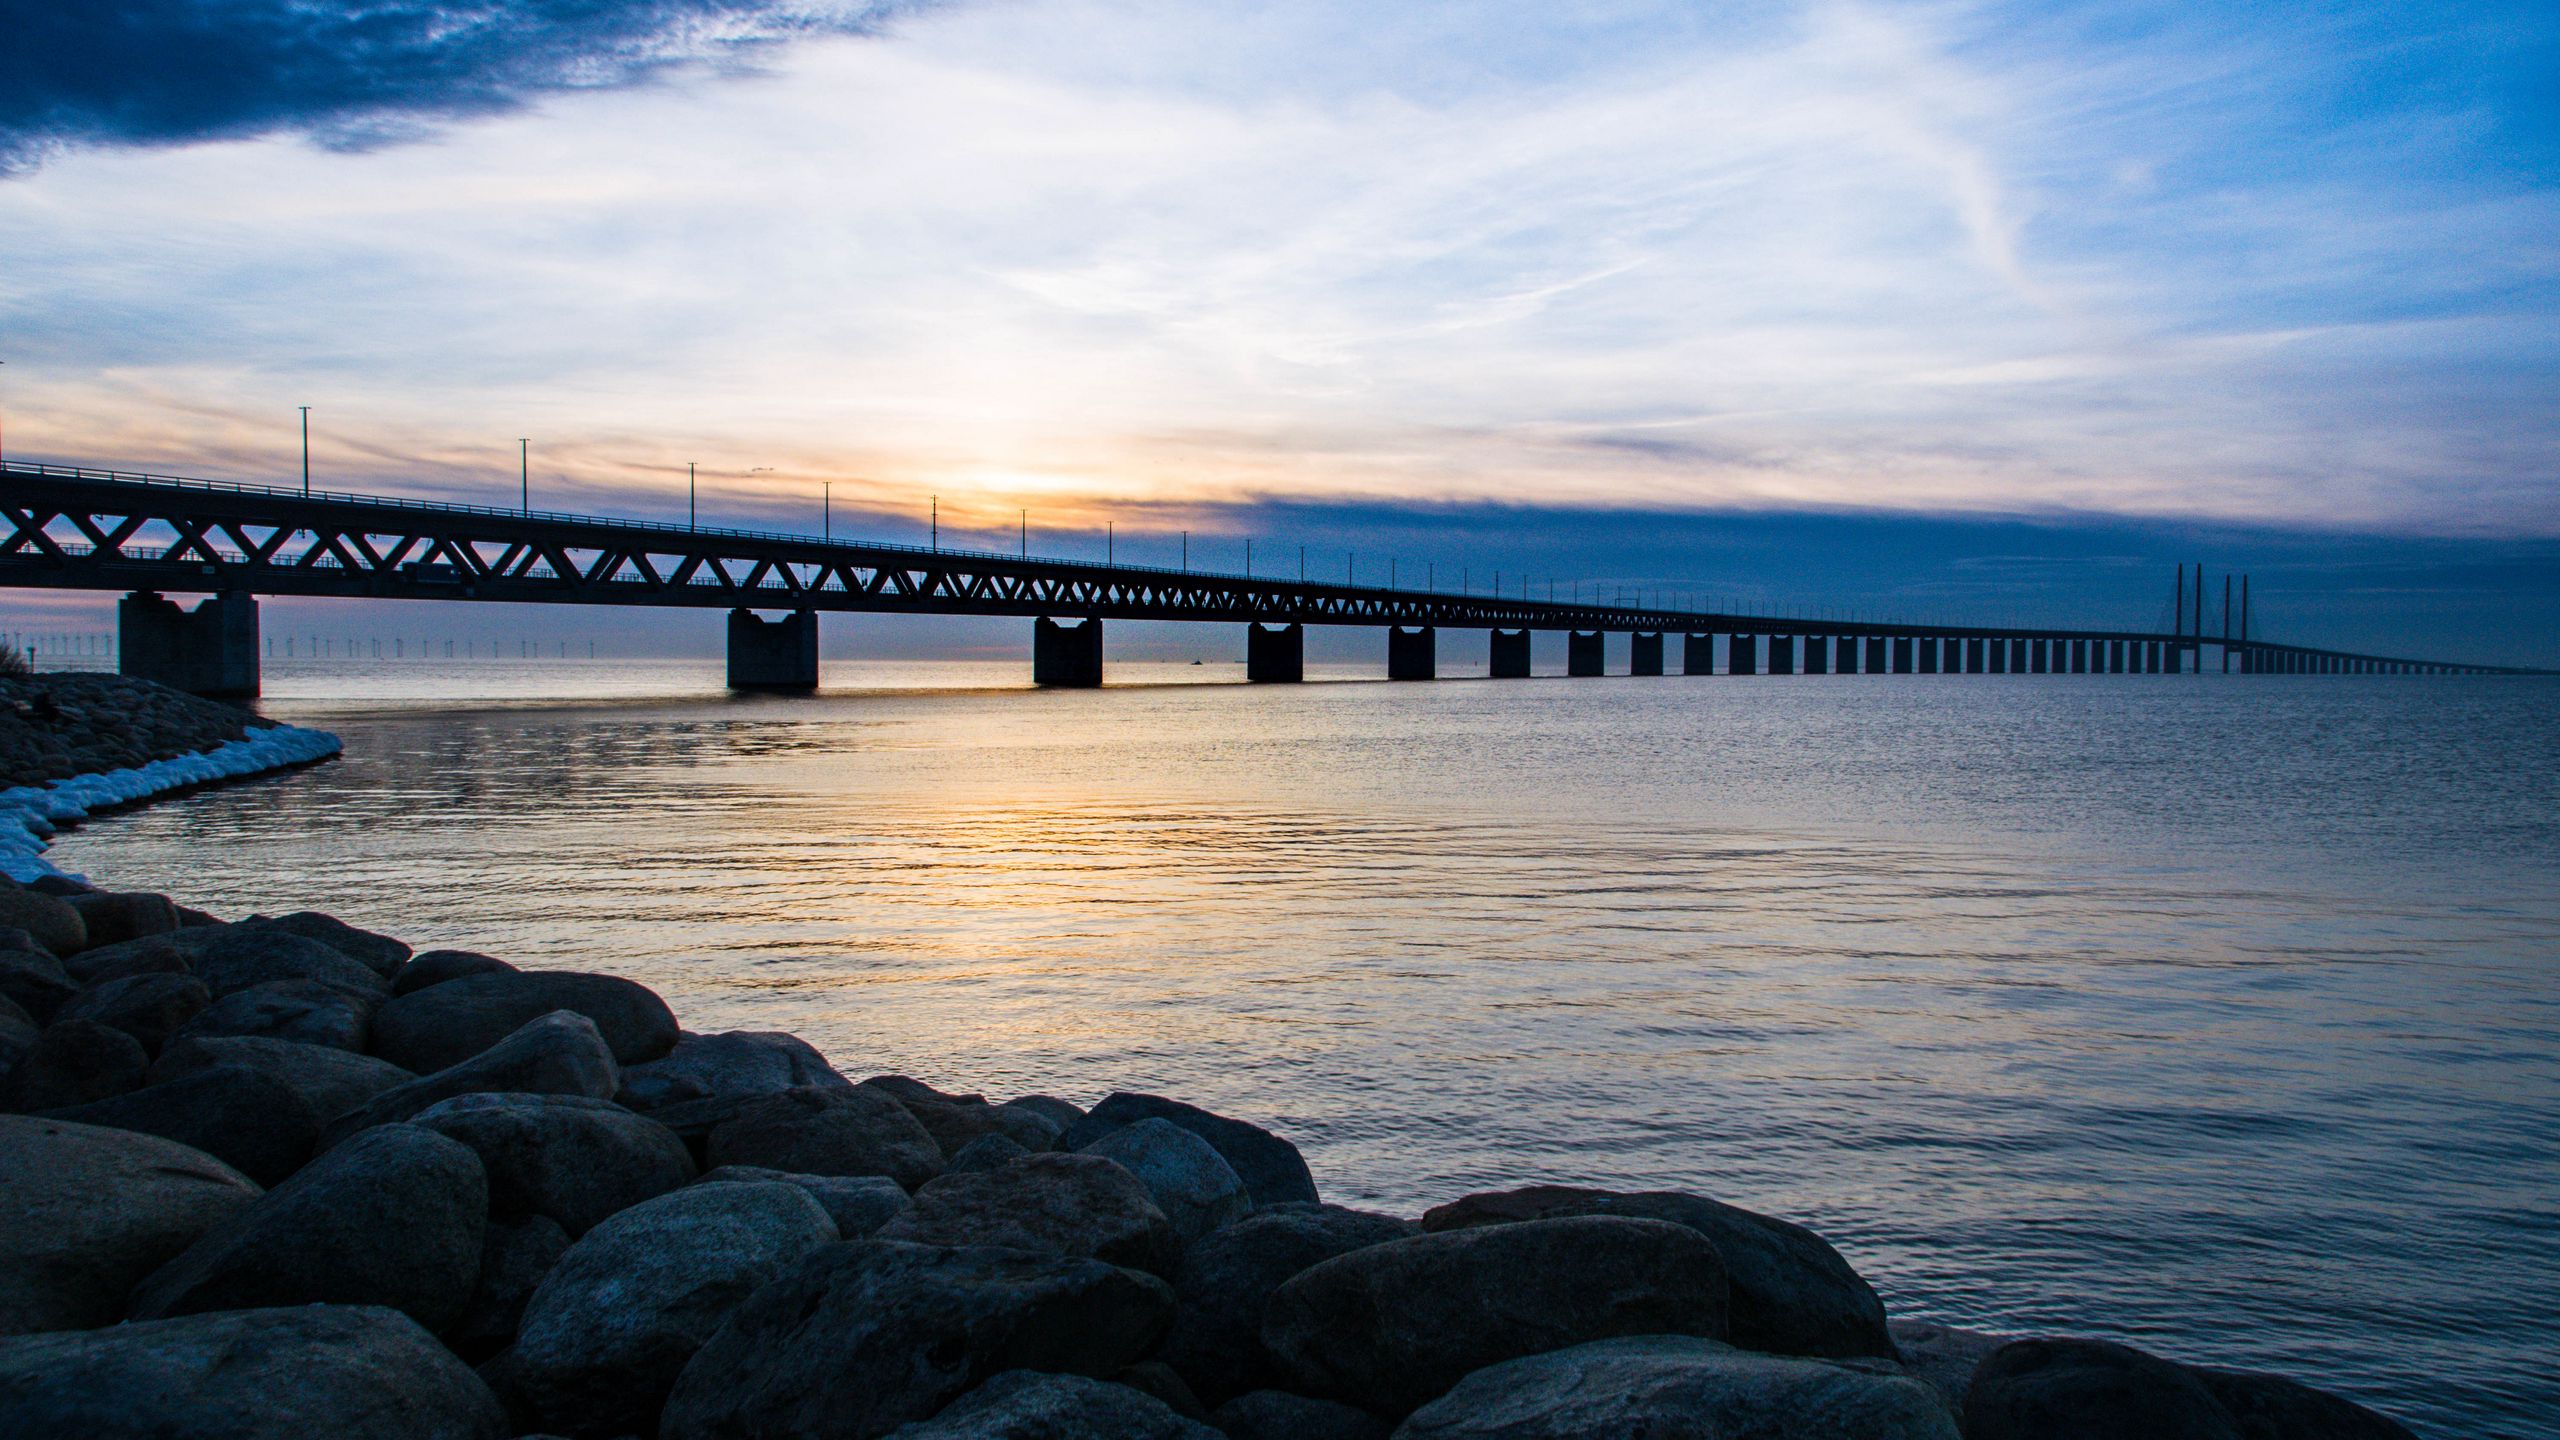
x=2218 y=1015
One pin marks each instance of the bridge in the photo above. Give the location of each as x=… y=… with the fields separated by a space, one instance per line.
x=73 y=528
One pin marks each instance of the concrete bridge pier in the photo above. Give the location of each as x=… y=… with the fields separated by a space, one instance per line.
x=1644 y=653
x=1817 y=654
x=1902 y=658
x=1066 y=657
x=1999 y=656
x=1412 y=654
x=1275 y=656
x=1586 y=652
x=1782 y=654
x=1927 y=646
x=773 y=655
x=1697 y=654
x=1511 y=654
x=211 y=650
x=1844 y=655
x=1742 y=654
x=1878 y=648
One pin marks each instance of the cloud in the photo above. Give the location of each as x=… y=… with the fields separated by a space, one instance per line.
x=348 y=73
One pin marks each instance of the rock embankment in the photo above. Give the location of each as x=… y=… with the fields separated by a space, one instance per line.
x=72 y=743
x=282 y=1178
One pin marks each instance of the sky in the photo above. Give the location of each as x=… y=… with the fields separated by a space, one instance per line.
x=1964 y=310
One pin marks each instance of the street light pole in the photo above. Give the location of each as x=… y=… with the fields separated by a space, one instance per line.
x=827 y=510
x=936 y=532
x=306 y=449
x=524 y=471
x=689 y=512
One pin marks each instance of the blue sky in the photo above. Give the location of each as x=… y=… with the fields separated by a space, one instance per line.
x=1920 y=284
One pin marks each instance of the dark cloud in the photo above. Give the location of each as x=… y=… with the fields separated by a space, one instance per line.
x=348 y=73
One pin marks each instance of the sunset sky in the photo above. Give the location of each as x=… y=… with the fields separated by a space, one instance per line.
x=1790 y=303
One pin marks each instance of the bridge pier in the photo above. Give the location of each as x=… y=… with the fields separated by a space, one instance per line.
x=1817 y=654
x=1697 y=654
x=1902 y=659
x=1644 y=653
x=1586 y=652
x=1999 y=651
x=1275 y=656
x=1066 y=657
x=1878 y=648
x=1926 y=647
x=775 y=655
x=1412 y=654
x=1844 y=655
x=211 y=650
x=1782 y=654
x=1742 y=654
x=1511 y=654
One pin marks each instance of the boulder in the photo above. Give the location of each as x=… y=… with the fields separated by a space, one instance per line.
x=1792 y=1294
x=612 y=1325
x=37 y=982
x=112 y=919
x=1389 y=1327
x=987 y=1152
x=736 y=1066
x=330 y=1080
x=393 y=1217
x=869 y=1335
x=955 y=1124
x=150 y=955
x=1032 y=1405
x=18 y=1034
x=1668 y=1385
x=1075 y=1205
x=90 y=1211
x=1271 y=1168
x=249 y=1120
x=74 y=1064
x=339 y=1372
x=444 y=1025
x=569 y=1157
x=858 y=1204
x=48 y=919
x=434 y=967
x=1943 y=1357
x=1195 y=1188
x=149 y=1008
x=1057 y=1112
x=823 y=1130
x=2270 y=1407
x=515 y=1255
x=235 y=957
x=378 y=953
x=1279 y=1415
x=908 y=1089
x=2089 y=1390
x=310 y=1012
x=1154 y=1377
x=559 y=1054
x=13 y=938
x=1225 y=1282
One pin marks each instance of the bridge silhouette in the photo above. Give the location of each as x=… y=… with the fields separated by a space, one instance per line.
x=74 y=528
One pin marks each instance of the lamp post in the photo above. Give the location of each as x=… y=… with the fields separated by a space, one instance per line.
x=306 y=449
x=1026 y=534
x=524 y=471
x=935 y=533
x=827 y=510
x=689 y=512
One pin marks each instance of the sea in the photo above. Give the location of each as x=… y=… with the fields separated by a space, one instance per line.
x=2213 y=1014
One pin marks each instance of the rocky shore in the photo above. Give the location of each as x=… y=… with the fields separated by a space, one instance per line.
x=73 y=743
x=284 y=1178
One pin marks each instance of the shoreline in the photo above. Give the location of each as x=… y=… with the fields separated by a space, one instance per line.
x=31 y=815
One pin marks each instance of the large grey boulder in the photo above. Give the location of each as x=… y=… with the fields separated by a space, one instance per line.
x=2270 y=1407
x=1190 y=1182
x=89 y=1211
x=1665 y=1385
x=48 y=919
x=1391 y=1326
x=827 y=1130
x=987 y=1152
x=1943 y=1357
x=1032 y=1405
x=434 y=967
x=570 y=1157
x=447 y=1024
x=1225 y=1282
x=515 y=1255
x=330 y=1080
x=2089 y=1390
x=37 y=982
x=74 y=1064
x=1279 y=1415
x=557 y=1054
x=113 y=918
x=1273 y=1171
x=235 y=957
x=249 y=1120
x=150 y=1008
x=611 y=1326
x=150 y=955
x=378 y=953
x=734 y=1066
x=321 y=1372
x=1792 y=1294
x=1052 y=1204
x=958 y=1121
x=311 y=1012
x=858 y=1204
x=869 y=1335
x=1061 y=1114
x=393 y=1217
